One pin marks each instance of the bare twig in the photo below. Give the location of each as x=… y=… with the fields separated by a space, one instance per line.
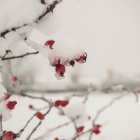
x=3 y=58
x=22 y=130
x=104 y=109
x=40 y=122
x=35 y=97
x=1 y=128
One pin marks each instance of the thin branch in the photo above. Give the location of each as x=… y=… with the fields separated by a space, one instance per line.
x=1 y=127
x=104 y=109
x=3 y=58
x=35 y=97
x=49 y=9
x=40 y=122
x=22 y=130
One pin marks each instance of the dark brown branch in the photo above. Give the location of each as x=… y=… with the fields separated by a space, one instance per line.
x=22 y=130
x=2 y=34
x=1 y=129
x=49 y=9
x=18 y=56
x=34 y=97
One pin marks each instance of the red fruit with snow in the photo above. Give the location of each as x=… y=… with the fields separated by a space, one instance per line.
x=49 y=43
x=60 y=69
x=8 y=135
x=82 y=58
x=39 y=115
x=80 y=129
x=96 y=129
x=11 y=105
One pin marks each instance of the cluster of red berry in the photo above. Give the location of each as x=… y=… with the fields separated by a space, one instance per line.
x=60 y=68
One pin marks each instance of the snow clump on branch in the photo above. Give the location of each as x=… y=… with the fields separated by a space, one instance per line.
x=59 y=51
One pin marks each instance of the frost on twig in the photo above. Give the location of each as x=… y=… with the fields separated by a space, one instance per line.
x=5 y=57
x=48 y=8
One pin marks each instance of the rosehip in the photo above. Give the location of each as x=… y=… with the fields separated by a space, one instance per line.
x=64 y=103
x=50 y=43
x=60 y=69
x=39 y=115
x=11 y=105
x=80 y=129
x=8 y=135
x=96 y=129
x=82 y=58
x=58 y=103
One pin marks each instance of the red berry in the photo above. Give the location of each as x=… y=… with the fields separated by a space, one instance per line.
x=50 y=43
x=80 y=129
x=58 y=103
x=39 y=115
x=96 y=129
x=11 y=105
x=8 y=135
x=82 y=58
x=60 y=69
x=64 y=103
x=14 y=78
x=31 y=106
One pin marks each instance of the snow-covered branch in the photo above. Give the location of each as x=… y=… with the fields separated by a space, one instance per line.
x=49 y=8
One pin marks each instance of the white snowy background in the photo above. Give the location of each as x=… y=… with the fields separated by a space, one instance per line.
x=109 y=31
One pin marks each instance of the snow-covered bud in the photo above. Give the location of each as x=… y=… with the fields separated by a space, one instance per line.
x=82 y=58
